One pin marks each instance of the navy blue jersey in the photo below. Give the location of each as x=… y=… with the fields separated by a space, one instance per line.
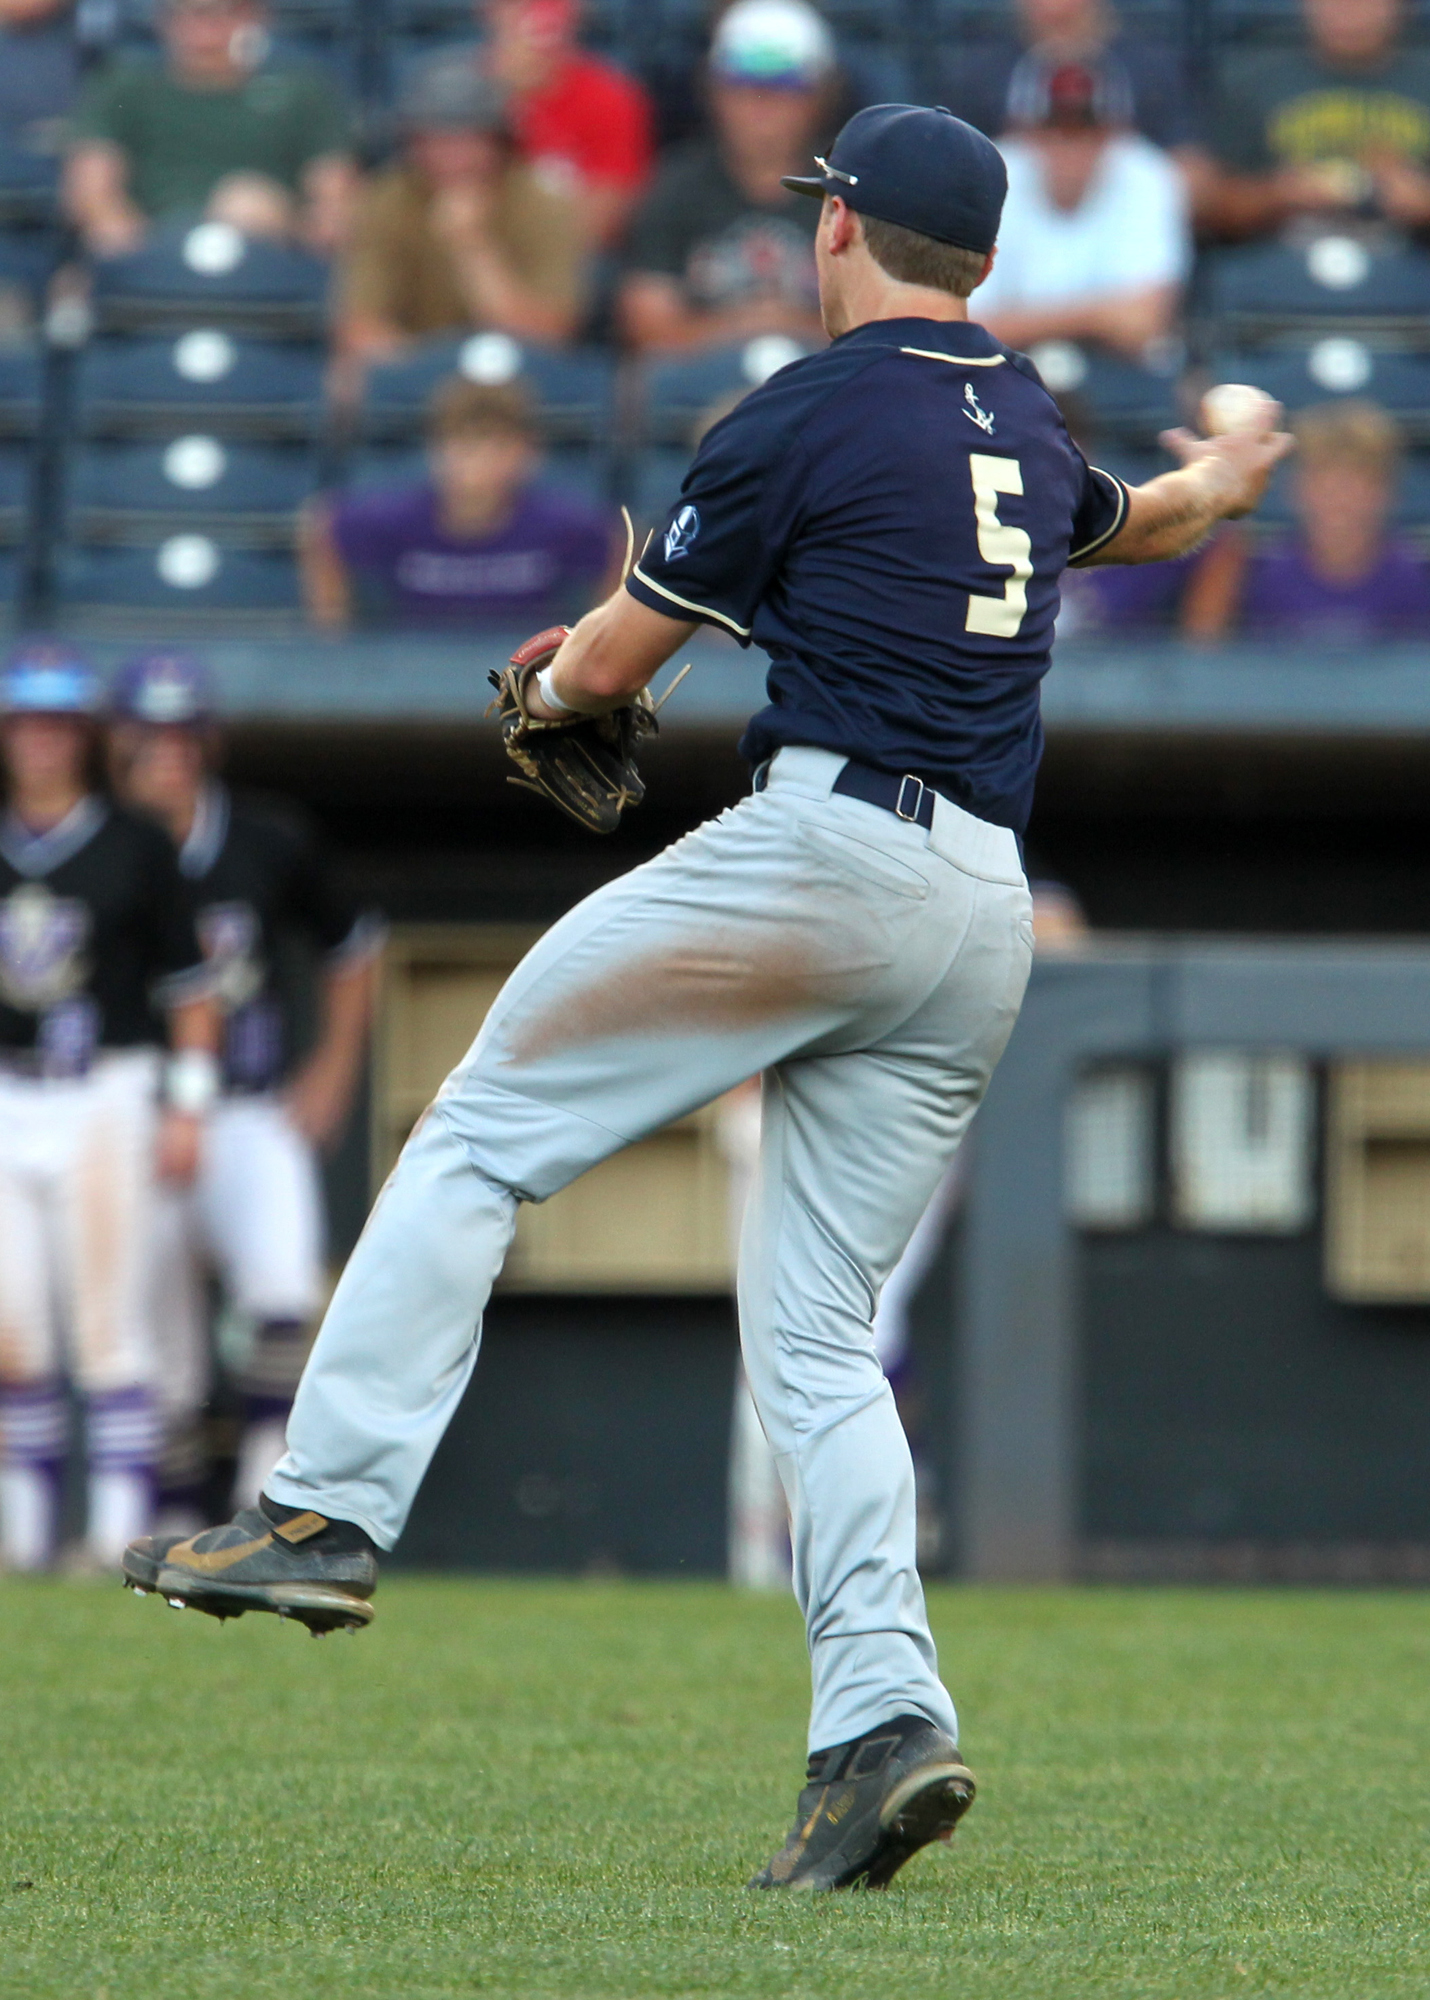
x=257 y=875
x=888 y=519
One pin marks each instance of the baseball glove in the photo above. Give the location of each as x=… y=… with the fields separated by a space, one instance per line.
x=585 y=764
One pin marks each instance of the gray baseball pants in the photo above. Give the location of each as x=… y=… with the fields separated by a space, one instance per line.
x=872 y=971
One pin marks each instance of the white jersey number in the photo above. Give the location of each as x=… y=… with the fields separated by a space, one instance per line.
x=1000 y=546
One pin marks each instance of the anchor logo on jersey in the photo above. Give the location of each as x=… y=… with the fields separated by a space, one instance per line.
x=42 y=941
x=975 y=413
x=228 y=933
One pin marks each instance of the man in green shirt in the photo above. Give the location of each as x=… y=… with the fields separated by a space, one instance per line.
x=213 y=131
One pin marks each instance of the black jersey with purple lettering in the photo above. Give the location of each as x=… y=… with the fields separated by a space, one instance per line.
x=96 y=936
x=257 y=878
x=889 y=519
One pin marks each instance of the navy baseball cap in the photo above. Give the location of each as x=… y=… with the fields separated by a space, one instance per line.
x=165 y=689
x=923 y=169
x=41 y=679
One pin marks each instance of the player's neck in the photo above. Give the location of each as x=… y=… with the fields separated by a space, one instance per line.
x=43 y=804
x=887 y=299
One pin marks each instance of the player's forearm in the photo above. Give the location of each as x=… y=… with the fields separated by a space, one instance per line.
x=347 y=1011
x=612 y=653
x=195 y=1024
x=1171 y=514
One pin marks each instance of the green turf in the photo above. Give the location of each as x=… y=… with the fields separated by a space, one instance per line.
x=542 y=1789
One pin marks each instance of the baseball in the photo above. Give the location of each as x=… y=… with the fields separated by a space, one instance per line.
x=1236 y=406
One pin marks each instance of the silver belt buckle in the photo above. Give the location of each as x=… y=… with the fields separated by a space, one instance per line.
x=913 y=813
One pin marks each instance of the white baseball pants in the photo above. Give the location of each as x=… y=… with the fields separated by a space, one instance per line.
x=255 y=1213
x=76 y=1189
x=873 y=972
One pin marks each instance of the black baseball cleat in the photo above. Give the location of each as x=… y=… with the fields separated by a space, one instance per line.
x=870 y=1804
x=268 y=1558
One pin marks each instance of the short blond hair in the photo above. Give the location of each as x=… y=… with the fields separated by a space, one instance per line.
x=460 y=408
x=912 y=259
x=1356 y=432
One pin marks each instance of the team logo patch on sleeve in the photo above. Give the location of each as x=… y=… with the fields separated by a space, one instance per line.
x=681 y=533
x=42 y=941
x=228 y=933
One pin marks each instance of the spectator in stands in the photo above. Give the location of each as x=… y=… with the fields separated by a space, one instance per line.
x=719 y=251
x=480 y=544
x=1343 y=578
x=458 y=233
x=214 y=131
x=39 y=72
x=990 y=84
x=1337 y=127
x=1095 y=242
x=584 y=125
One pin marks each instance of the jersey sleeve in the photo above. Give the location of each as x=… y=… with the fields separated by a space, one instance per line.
x=726 y=535
x=1101 y=511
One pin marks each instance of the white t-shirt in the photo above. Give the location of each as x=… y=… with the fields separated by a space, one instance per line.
x=1129 y=231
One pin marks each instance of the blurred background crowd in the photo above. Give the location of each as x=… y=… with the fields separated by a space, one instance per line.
x=371 y=311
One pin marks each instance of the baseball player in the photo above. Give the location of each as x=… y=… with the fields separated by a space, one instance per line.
x=888 y=519
x=94 y=928
x=255 y=874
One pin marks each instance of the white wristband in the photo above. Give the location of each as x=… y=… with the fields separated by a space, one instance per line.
x=191 y=1082
x=543 y=688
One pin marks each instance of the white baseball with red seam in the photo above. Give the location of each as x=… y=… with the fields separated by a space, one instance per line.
x=1237 y=406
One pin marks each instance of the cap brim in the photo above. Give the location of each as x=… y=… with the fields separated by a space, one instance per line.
x=804 y=184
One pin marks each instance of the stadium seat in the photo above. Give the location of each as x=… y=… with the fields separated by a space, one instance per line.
x=574 y=391
x=17 y=483
x=679 y=395
x=21 y=389
x=208 y=274
x=1261 y=291
x=204 y=378
x=1107 y=396
x=246 y=494
x=189 y=579
x=1337 y=366
x=405 y=464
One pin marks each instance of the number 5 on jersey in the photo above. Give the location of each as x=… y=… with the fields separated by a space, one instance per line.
x=1000 y=546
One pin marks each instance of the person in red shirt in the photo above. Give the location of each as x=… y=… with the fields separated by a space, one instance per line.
x=575 y=116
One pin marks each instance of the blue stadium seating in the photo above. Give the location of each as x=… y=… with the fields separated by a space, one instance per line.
x=205 y=377
x=187 y=580
x=679 y=394
x=399 y=464
x=1335 y=367
x=574 y=390
x=207 y=274
x=21 y=389
x=1260 y=291
x=243 y=494
x=1112 y=396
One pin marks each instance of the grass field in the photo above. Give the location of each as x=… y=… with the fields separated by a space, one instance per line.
x=544 y=1789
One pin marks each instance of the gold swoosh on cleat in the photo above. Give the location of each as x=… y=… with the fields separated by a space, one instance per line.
x=215 y=1561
